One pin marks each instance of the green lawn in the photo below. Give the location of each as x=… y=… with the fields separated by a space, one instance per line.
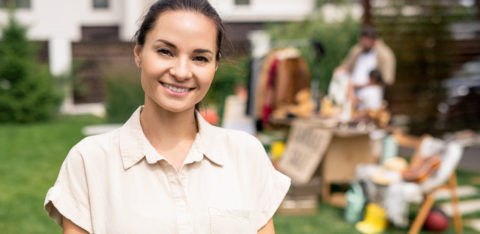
x=30 y=158
x=31 y=155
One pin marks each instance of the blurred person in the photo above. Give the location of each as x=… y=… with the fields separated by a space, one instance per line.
x=368 y=54
x=166 y=170
x=370 y=96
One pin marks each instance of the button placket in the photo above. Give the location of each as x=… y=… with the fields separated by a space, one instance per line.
x=178 y=190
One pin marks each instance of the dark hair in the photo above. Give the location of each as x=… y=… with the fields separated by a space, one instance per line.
x=161 y=6
x=376 y=77
x=369 y=31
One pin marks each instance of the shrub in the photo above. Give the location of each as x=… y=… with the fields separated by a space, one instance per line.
x=231 y=72
x=124 y=94
x=27 y=89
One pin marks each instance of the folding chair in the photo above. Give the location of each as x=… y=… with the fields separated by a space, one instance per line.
x=444 y=178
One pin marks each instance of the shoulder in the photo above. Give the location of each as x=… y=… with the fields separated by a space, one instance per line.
x=383 y=49
x=356 y=49
x=240 y=140
x=247 y=152
x=97 y=146
x=235 y=146
x=352 y=55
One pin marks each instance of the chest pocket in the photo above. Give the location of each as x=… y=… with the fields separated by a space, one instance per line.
x=233 y=221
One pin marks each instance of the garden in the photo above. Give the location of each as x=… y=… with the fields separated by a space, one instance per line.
x=35 y=137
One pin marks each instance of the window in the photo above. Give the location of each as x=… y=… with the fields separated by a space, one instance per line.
x=15 y=3
x=97 y=4
x=242 y=2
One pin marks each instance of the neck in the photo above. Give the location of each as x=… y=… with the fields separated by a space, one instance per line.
x=164 y=128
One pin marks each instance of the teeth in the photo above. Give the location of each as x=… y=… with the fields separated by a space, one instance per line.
x=175 y=89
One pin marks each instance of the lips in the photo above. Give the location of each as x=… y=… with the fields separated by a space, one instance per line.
x=175 y=88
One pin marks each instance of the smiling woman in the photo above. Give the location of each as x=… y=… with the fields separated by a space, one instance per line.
x=177 y=60
x=166 y=170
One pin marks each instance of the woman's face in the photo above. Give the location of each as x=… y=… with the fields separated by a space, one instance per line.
x=177 y=61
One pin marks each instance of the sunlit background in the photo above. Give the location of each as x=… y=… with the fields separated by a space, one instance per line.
x=67 y=71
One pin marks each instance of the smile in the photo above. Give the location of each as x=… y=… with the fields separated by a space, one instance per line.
x=175 y=89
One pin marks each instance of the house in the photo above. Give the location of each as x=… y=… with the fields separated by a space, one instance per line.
x=99 y=33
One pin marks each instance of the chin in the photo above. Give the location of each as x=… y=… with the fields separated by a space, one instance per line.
x=171 y=105
x=175 y=108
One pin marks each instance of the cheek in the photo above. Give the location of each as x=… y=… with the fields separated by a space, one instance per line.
x=149 y=77
x=207 y=77
x=145 y=82
x=153 y=65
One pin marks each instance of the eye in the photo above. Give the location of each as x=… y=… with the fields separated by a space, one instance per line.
x=164 y=52
x=201 y=59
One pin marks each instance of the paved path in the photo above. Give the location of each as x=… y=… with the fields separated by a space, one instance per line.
x=473 y=223
x=471 y=159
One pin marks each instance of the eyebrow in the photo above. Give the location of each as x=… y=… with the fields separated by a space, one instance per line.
x=202 y=51
x=169 y=44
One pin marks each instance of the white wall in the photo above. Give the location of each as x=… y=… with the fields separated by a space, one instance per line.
x=63 y=18
x=59 y=21
x=264 y=10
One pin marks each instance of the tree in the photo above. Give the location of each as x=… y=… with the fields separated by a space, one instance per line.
x=27 y=89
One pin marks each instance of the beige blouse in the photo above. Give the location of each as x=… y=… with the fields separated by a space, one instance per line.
x=117 y=183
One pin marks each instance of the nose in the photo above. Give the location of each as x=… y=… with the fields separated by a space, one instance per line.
x=180 y=69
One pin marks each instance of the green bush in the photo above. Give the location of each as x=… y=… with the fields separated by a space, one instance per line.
x=124 y=94
x=27 y=89
x=231 y=72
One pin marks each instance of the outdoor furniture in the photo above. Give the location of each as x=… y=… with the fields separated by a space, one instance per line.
x=444 y=178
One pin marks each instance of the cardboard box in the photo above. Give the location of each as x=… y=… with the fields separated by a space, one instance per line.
x=305 y=148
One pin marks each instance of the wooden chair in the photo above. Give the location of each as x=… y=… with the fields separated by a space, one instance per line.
x=451 y=184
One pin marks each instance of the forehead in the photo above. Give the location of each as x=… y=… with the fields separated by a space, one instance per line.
x=184 y=27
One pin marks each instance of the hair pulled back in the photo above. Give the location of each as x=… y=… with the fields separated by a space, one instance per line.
x=161 y=6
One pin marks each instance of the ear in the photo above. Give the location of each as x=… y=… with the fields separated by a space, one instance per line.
x=216 y=65
x=137 y=54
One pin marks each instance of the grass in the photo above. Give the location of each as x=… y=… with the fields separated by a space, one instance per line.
x=31 y=155
x=329 y=219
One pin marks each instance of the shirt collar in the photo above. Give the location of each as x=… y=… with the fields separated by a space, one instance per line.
x=209 y=140
x=134 y=146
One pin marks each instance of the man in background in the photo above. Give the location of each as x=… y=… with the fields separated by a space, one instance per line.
x=368 y=54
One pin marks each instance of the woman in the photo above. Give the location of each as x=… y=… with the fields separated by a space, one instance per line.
x=167 y=170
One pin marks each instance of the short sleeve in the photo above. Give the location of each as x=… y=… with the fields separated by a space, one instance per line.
x=69 y=196
x=270 y=186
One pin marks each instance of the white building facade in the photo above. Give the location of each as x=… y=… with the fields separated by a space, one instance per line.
x=59 y=22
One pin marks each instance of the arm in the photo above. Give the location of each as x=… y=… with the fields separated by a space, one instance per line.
x=349 y=61
x=388 y=69
x=268 y=228
x=71 y=228
x=340 y=68
x=388 y=63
